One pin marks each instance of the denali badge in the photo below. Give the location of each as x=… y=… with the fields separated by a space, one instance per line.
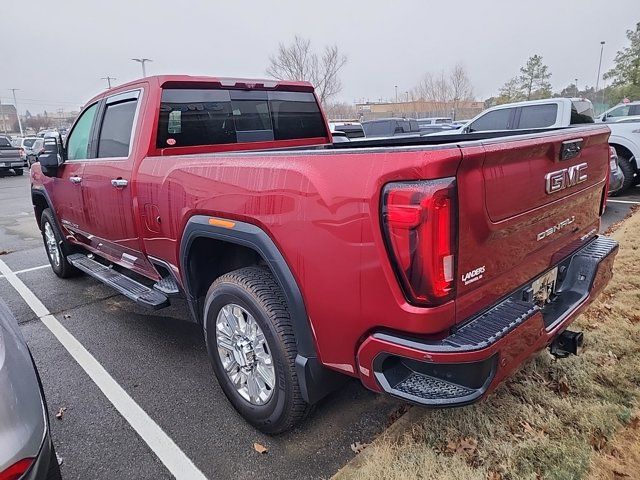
x=473 y=275
x=556 y=228
x=565 y=178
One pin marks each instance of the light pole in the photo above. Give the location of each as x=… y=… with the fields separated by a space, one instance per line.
x=15 y=104
x=576 y=84
x=396 y=93
x=599 y=67
x=142 y=61
x=108 y=79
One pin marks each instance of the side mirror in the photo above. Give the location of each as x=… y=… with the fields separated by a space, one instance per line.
x=52 y=156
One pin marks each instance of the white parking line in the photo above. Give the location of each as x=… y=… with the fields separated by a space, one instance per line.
x=180 y=466
x=18 y=272
x=630 y=202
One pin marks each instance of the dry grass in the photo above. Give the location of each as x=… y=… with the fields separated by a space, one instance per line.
x=554 y=419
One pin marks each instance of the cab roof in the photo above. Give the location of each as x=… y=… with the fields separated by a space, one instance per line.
x=172 y=81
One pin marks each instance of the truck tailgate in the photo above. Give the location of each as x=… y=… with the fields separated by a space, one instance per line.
x=525 y=203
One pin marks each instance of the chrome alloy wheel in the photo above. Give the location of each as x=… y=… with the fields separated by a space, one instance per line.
x=52 y=245
x=245 y=355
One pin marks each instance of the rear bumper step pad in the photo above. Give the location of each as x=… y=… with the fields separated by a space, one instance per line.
x=139 y=293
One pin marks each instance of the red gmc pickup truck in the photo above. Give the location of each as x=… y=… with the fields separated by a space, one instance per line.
x=428 y=267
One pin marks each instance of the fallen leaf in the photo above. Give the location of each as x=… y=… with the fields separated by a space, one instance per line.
x=396 y=414
x=598 y=441
x=66 y=316
x=618 y=474
x=563 y=386
x=527 y=427
x=260 y=448
x=494 y=476
x=465 y=446
x=61 y=412
x=358 y=447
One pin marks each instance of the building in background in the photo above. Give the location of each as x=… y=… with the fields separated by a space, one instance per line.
x=461 y=110
x=8 y=118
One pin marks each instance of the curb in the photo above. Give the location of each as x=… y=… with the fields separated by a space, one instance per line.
x=394 y=433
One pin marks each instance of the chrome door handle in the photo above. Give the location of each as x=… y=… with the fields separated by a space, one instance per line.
x=119 y=182
x=75 y=180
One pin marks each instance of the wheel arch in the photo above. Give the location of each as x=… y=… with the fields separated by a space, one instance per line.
x=626 y=150
x=245 y=244
x=41 y=201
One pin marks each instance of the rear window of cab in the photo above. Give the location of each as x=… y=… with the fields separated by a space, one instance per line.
x=195 y=117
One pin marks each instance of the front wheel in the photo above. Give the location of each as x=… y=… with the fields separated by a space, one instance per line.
x=251 y=344
x=19 y=171
x=55 y=246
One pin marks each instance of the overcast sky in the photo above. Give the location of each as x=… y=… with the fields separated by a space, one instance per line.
x=55 y=52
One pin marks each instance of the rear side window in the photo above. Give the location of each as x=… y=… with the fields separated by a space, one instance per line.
x=538 y=116
x=581 y=112
x=192 y=117
x=116 y=130
x=28 y=142
x=634 y=110
x=496 y=120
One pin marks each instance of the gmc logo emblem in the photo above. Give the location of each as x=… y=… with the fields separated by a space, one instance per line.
x=565 y=178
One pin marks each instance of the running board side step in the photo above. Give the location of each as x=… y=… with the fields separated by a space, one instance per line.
x=139 y=293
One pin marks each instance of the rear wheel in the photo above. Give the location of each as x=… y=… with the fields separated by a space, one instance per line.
x=57 y=249
x=252 y=347
x=19 y=171
x=629 y=172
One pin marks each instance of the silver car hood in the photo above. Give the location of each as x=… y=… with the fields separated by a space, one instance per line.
x=23 y=420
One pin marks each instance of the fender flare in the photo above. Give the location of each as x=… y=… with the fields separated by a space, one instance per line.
x=43 y=193
x=315 y=380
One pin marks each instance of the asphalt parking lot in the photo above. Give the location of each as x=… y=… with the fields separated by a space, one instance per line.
x=161 y=362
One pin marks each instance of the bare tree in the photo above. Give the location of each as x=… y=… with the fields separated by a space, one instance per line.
x=461 y=88
x=446 y=90
x=298 y=61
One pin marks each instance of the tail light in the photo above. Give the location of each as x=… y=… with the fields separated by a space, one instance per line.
x=17 y=470
x=419 y=222
x=613 y=159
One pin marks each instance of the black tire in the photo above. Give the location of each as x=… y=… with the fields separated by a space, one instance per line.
x=62 y=268
x=628 y=171
x=54 y=467
x=255 y=290
x=18 y=171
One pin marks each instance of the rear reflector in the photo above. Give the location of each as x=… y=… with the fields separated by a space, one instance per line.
x=15 y=471
x=418 y=220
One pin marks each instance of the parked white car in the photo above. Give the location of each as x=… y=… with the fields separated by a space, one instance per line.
x=625 y=138
x=619 y=112
x=547 y=113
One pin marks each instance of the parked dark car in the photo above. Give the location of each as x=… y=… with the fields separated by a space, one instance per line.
x=26 y=449
x=10 y=157
x=36 y=149
x=351 y=130
x=389 y=127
